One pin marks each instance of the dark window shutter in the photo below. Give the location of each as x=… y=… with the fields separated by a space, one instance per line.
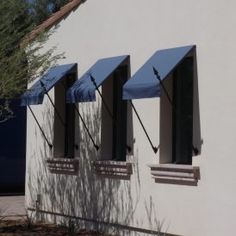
x=183 y=112
x=69 y=121
x=120 y=115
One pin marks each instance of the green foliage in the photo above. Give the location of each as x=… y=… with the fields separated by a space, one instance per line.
x=14 y=24
x=42 y=9
x=19 y=61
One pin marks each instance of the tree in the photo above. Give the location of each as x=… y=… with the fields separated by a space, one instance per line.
x=20 y=61
x=42 y=9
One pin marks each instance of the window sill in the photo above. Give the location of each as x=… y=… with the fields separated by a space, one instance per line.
x=65 y=166
x=113 y=169
x=175 y=174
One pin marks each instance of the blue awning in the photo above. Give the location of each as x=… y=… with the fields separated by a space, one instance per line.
x=144 y=84
x=83 y=90
x=35 y=94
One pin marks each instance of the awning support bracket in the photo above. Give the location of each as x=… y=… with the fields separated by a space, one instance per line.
x=155 y=149
x=106 y=106
x=156 y=73
x=76 y=109
x=57 y=112
x=103 y=100
x=44 y=135
x=85 y=126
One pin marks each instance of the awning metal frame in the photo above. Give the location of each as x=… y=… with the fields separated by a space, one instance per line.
x=155 y=149
x=41 y=129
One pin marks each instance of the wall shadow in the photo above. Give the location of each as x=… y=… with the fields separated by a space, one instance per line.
x=94 y=202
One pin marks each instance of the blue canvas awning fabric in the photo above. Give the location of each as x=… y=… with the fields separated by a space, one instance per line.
x=144 y=83
x=84 y=89
x=35 y=94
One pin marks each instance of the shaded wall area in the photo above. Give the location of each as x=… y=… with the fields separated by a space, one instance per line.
x=13 y=150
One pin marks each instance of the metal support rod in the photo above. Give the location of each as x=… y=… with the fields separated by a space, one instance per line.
x=163 y=87
x=106 y=106
x=155 y=149
x=100 y=94
x=57 y=112
x=156 y=73
x=90 y=136
x=44 y=135
x=76 y=109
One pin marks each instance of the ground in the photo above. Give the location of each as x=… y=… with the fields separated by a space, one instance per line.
x=12 y=206
x=13 y=222
x=22 y=227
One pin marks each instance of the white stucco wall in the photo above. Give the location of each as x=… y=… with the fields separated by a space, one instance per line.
x=107 y=28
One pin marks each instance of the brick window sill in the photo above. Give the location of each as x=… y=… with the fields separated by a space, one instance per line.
x=175 y=174
x=113 y=169
x=65 y=166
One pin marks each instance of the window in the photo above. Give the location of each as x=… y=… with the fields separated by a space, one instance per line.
x=176 y=119
x=171 y=74
x=116 y=135
x=60 y=78
x=64 y=120
x=177 y=128
x=63 y=161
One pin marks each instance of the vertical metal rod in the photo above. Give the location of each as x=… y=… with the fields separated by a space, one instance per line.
x=90 y=136
x=57 y=112
x=106 y=106
x=155 y=149
x=49 y=144
x=156 y=73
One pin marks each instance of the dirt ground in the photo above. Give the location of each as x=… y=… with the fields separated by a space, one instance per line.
x=25 y=228
x=13 y=222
